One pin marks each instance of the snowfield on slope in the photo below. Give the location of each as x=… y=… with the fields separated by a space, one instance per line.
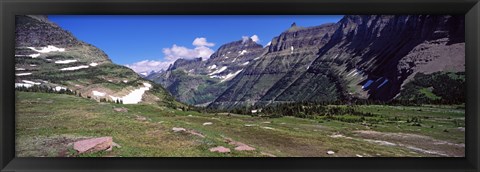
x=65 y=61
x=49 y=48
x=219 y=70
x=74 y=68
x=231 y=75
x=135 y=96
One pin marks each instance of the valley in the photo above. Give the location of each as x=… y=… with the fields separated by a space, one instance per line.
x=365 y=86
x=47 y=123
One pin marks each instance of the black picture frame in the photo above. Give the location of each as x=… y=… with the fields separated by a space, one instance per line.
x=10 y=8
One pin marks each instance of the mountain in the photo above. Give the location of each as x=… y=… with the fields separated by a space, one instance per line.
x=376 y=55
x=288 y=56
x=49 y=57
x=199 y=82
x=371 y=57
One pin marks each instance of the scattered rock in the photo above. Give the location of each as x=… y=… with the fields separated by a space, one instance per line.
x=113 y=145
x=267 y=122
x=207 y=123
x=196 y=133
x=244 y=148
x=140 y=118
x=193 y=132
x=93 y=145
x=330 y=152
x=121 y=109
x=267 y=154
x=220 y=149
x=178 y=129
x=239 y=145
x=190 y=115
x=269 y=128
x=461 y=128
x=337 y=136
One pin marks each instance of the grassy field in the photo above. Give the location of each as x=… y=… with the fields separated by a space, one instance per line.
x=47 y=123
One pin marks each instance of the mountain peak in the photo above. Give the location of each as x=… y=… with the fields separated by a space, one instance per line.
x=294 y=27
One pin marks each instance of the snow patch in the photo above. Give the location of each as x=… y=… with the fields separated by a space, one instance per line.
x=336 y=56
x=291 y=49
x=31 y=82
x=31 y=55
x=65 y=61
x=367 y=84
x=125 y=81
x=93 y=64
x=268 y=44
x=23 y=74
x=212 y=67
x=97 y=93
x=34 y=55
x=19 y=68
x=219 y=70
x=74 y=68
x=246 y=63
x=23 y=85
x=231 y=75
x=47 y=49
x=383 y=83
x=33 y=65
x=135 y=96
x=58 y=88
x=242 y=52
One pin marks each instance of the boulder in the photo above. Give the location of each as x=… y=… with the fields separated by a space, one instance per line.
x=330 y=152
x=244 y=148
x=93 y=144
x=121 y=109
x=193 y=132
x=220 y=149
x=140 y=118
x=177 y=129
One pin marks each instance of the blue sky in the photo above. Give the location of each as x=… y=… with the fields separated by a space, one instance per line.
x=128 y=40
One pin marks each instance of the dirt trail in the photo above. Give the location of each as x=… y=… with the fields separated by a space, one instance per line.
x=414 y=142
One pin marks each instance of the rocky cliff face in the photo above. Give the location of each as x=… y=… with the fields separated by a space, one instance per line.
x=361 y=56
x=376 y=55
x=288 y=56
x=48 y=56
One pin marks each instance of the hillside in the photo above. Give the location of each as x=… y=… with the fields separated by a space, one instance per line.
x=49 y=57
x=48 y=123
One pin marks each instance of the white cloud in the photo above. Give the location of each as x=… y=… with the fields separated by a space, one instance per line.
x=181 y=52
x=255 y=38
x=198 y=42
x=202 y=49
x=149 y=65
x=244 y=39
